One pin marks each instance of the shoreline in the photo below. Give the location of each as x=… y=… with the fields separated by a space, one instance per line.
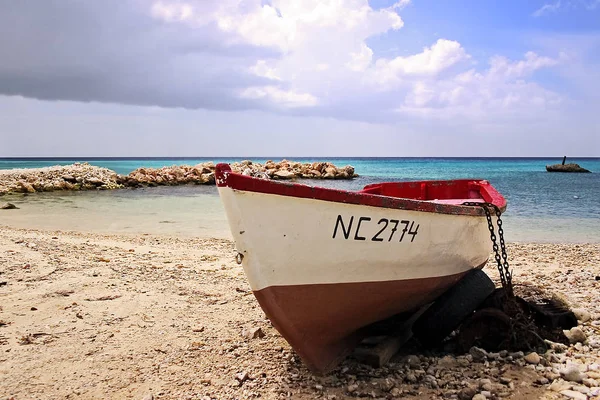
x=129 y=316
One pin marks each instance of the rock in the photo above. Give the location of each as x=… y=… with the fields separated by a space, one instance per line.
x=149 y=396
x=582 y=389
x=413 y=361
x=478 y=354
x=283 y=174
x=95 y=181
x=447 y=362
x=242 y=377
x=582 y=314
x=479 y=396
x=575 y=335
x=253 y=333
x=532 y=358
x=572 y=373
x=516 y=355
x=565 y=168
x=590 y=382
x=573 y=395
x=352 y=388
x=559 y=385
x=26 y=187
x=467 y=393
x=8 y=206
x=71 y=179
x=559 y=347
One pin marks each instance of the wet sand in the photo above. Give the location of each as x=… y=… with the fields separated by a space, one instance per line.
x=96 y=316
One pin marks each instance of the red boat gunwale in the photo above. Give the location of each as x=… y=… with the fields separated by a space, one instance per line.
x=375 y=195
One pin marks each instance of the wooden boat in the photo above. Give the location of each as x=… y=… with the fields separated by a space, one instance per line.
x=324 y=263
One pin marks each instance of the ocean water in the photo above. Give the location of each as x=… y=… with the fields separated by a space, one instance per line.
x=542 y=206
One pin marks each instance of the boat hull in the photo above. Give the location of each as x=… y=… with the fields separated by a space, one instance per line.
x=322 y=270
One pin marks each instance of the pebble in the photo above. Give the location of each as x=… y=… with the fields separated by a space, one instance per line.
x=467 y=393
x=516 y=355
x=574 y=395
x=590 y=382
x=479 y=396
x=504 y=380
x=413 y=361
x=149 y=396
x=572 y=373
x=253 y=333
x=575 y=335
x=533 y=358
x=242 y=377
x=478 y=354
x=582 y=389
x=559 y=385
x=447 y=362
x=8 y=206
x=352 y=388
x=582 y=314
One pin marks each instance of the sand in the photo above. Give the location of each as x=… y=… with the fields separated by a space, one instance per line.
x=94 y=316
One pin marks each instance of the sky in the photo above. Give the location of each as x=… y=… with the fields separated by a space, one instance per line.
x=401 y=78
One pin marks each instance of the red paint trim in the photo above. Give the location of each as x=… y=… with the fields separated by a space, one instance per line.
x=226 y=178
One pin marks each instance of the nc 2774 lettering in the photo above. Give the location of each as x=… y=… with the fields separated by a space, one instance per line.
x=386 y=229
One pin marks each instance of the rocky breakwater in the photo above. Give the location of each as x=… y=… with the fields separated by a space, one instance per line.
x=204 y=173
x=78 y=176
x=565 y=168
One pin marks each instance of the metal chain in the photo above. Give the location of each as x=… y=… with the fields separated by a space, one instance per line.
x=499 y=251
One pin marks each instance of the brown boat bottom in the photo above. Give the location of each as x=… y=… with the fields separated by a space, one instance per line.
x=322 y=321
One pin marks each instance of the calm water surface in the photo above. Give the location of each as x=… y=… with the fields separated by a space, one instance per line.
x=542 y=206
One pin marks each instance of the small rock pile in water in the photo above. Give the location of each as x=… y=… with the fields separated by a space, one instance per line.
x=79 y=176
x=566 y=168
x=205 y=173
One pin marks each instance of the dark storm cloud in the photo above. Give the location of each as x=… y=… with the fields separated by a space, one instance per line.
x=114 y=51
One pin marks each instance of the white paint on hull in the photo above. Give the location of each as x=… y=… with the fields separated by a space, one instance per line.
x=289 y=241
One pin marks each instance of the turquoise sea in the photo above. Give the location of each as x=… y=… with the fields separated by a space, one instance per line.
x=542 y=206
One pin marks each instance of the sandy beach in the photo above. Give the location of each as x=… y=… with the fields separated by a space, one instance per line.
x=96 y=316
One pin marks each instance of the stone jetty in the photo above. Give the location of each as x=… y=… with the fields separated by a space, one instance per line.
x=204 y=173
x=78 y=176
x=82 y=176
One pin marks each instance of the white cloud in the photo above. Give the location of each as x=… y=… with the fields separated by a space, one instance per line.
x=547 y=9
x=262 y=68
x=289 y=57
x=552 y=8
x=399 y=5
x=431 y=61
x=498 y=91
x=283 y=98
x=504 y=67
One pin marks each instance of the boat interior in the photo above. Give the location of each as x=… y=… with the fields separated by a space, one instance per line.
x=453 y=192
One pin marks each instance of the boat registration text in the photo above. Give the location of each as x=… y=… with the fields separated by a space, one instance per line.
x=356 y=228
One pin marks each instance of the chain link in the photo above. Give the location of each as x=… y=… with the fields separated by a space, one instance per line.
x=499 y=250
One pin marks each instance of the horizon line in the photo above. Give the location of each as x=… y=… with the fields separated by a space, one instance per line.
x=158 y=158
